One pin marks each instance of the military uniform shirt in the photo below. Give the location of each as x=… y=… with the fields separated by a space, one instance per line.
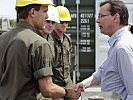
x=61 y=66
x=24 y=58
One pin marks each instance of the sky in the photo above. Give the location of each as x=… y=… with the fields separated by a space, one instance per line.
x=7 y=9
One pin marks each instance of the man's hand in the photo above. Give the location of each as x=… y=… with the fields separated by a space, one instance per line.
x=78 y=86
x=75 y=92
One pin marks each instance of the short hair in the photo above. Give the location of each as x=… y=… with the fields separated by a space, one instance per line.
x=22 y=12
x=131 y=29
x=117 y=6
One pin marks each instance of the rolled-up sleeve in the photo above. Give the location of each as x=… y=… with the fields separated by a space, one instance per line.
x=42 y=61
x=43 y=72
x=98 y=73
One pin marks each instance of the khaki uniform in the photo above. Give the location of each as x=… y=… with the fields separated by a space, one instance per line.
x=61 y=63
x=24 y=58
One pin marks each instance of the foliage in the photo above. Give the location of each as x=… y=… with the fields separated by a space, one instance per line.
x=12 y=22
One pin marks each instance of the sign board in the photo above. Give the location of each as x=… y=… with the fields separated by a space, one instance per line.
x=82 y=31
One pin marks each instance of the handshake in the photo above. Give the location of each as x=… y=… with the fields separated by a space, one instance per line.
x=75 y=91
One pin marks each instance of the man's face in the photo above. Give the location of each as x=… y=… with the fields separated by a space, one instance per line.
x=61 y=27
x=105 y=20
x=40 y=18
x=49 y=27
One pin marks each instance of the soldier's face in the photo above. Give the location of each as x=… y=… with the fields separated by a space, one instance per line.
x=40 y=17
x=62 y=26
x=49 y=27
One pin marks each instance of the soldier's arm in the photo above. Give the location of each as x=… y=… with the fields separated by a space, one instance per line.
x=49 y=89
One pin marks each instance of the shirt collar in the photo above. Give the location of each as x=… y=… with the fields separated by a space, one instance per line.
x=54 y=34
x=117 y=35
x=26 y=25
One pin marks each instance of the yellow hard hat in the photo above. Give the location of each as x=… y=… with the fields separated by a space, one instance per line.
x=64 y=14
x=21 y=3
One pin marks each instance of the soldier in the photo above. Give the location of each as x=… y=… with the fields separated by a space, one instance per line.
x=53 y=18
x=25 y=57
x=62 y=48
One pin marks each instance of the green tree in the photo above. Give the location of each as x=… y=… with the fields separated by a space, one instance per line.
x=12 y=22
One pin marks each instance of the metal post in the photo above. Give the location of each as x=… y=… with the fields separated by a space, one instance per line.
x=75 y=64
x=78 y=73
x=63 y=2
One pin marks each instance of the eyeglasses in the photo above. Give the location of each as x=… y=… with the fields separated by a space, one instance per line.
x=64 y=22
x=103 y=15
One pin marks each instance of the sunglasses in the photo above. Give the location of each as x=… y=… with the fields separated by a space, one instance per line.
x=64 y=22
